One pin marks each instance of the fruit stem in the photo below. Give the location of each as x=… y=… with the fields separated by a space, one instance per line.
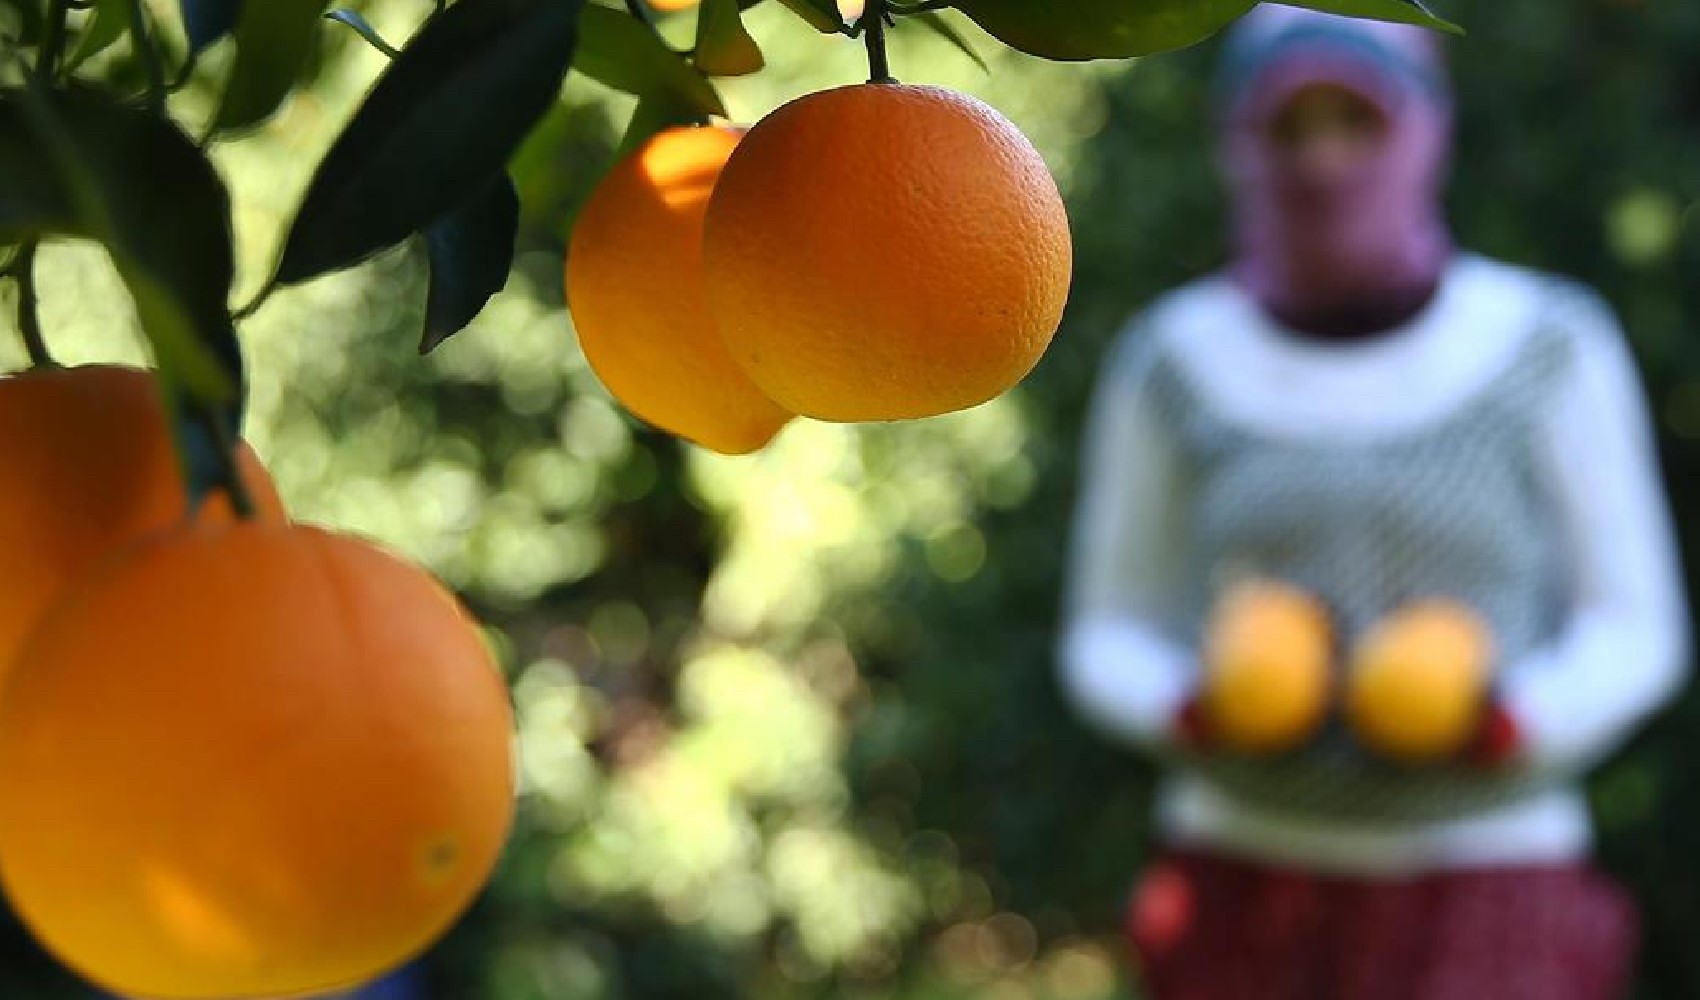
x=29 y=315
x=52 y=42
x=641 y=12
x=256 y=302
x=149 y=57
x=240 y=501
x=873 y=19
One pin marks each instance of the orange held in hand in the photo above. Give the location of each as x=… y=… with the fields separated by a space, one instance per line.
x=256 y=760
x=1267 y=653
x=883 y=252
x=635 y=287
x=1418 y=681
x=89 y=469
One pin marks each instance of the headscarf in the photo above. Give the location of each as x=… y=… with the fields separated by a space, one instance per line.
x=1384 y=232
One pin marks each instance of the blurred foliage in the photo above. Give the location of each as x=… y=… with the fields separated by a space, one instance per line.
x=788 y=724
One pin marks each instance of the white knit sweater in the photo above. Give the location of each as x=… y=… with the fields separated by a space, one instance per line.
x=1621 y=650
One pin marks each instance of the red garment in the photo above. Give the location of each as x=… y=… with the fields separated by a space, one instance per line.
x=1209 y=928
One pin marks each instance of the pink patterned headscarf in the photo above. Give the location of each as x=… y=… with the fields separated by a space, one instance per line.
x=1382 y=232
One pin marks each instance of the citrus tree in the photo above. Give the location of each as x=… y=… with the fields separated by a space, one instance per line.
x=200 y=672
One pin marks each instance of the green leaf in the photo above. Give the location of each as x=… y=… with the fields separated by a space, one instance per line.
x=652 y=115
x=364 y=29
x=273 y=40
x=446 y=115
x=74 y=162
x=618 y=51
x=103 y=27
x=724 y=47
x=22 y=19
x=1402 y=11
x=1103 y=30
x=471 y=251
x=942 y=27
x=822 y=15
x=206 y=21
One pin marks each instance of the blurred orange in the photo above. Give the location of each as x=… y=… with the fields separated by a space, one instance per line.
x=1418 y=680
x=1268 y=667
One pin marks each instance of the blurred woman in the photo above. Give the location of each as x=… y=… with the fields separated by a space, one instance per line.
x=1359 y=410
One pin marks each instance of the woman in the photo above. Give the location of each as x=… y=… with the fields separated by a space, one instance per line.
x=1359 y=409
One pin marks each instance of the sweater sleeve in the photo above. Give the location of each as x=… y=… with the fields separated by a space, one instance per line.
x=1623 y=648
x=1121 y=669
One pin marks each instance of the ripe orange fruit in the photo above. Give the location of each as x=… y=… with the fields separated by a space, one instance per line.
x=1267 y=654
x=1418 y=680
x=673 y=6
x=89 y=468
x=635 y=288
x=250 y=760
x=883 y=252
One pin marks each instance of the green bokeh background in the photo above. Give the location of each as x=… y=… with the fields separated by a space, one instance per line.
x=787 y=724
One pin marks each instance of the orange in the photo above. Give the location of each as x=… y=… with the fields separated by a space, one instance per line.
x=635 y=288
x=673 y=6
x=89 y=468
x=883 y=252
x=251 y=760
x=1418 y=680
x=1267 y=651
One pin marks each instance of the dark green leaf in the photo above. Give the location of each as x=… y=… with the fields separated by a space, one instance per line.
x=1403 y=11
x=724 y=47
x=471 y=251
x=445 y=116
x=822 y=15
x=556 y=168
x=22 y=19
x=652 y=115
x=273 y=40
x=937 y=23
x=618 y=51
x=206 y=21
x=104 y=25
x=364 y=29
x=1088 y=31
x=76 y=163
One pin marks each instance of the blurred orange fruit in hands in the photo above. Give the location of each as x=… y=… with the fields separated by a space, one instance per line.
x=635 y=287
x=90 y=468
x=1418 y=681
x=883 y=252
x=251 y=760
x=1268 y=652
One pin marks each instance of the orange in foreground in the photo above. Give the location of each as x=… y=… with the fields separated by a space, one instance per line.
x=635 y=288
x=251 y=761
x=884 y=252
x=89 y=468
